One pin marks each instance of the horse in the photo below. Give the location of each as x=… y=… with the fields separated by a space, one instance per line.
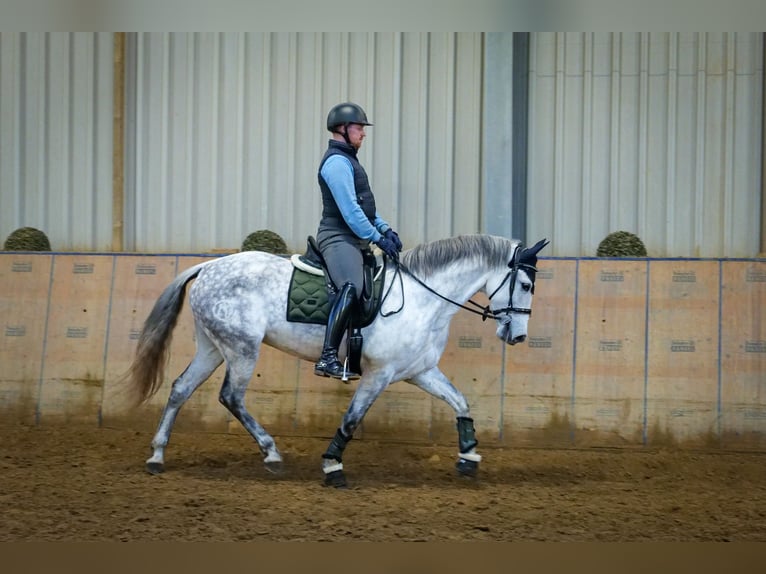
x=239 y=301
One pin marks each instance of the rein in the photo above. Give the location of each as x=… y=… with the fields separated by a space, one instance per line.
x=486 y=311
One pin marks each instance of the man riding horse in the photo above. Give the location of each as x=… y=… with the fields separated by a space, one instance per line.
x=350 y=222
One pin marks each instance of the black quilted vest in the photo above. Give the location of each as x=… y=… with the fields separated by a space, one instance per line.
x=331 y=215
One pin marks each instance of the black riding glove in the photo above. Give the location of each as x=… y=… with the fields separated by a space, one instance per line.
x=388 y=247
x=393 y=236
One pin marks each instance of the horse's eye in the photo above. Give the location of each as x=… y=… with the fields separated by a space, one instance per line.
x=526 y=287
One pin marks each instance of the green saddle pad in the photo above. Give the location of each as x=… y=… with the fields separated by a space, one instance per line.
x=308 y=302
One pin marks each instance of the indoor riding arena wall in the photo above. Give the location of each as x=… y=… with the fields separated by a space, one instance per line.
x=620 y=353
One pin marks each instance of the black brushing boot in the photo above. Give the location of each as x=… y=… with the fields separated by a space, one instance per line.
x=328 y=364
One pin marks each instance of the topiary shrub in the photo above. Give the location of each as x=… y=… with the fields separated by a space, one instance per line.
x=27 y=239
x=265 y=240
x=621 y=244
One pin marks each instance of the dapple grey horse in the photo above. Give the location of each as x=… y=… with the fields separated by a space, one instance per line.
x=239 y=302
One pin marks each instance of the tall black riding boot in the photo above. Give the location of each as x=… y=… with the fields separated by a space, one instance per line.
x=328 y=364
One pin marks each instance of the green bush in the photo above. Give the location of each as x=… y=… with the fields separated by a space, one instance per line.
x=621 y=244
x=27 y=239
x=265 y=240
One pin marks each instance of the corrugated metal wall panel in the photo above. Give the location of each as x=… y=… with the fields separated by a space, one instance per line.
x=231 y=127
x=656 y=134
x=56 y=147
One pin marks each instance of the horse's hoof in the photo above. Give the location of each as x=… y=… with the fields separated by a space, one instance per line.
x=469 y=468
x=155 y=467
x=274 y=466
x=335 y=478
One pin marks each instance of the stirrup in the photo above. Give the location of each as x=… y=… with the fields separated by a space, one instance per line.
x=347 y=374
x=335 y=370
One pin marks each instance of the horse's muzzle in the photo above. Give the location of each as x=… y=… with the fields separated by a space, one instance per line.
x=519 y=339
x=504 y=333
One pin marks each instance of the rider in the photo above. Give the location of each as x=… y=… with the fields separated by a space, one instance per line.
x=349 y=223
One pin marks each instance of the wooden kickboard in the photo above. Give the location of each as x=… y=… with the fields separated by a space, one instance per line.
x=73 y=359
x=538 y=373
x=619 y=352
x=743 y=354
x=24 y=293
x=610 y=351
x=682 y=361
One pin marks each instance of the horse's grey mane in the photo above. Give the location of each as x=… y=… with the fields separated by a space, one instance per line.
x=427 y=258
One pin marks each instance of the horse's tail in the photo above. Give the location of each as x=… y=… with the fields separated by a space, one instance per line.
x=145 y=375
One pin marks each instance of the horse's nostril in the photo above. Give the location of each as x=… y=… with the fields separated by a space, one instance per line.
x=519 y=339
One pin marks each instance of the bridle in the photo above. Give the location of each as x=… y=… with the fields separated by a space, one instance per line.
x=515 y=264
x=486 y=311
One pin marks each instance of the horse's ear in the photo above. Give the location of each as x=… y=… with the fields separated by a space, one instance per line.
x=537 y=247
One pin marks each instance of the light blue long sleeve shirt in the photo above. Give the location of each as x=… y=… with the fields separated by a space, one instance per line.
x=339 y=176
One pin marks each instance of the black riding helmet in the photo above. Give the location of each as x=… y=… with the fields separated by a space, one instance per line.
x=344 y=114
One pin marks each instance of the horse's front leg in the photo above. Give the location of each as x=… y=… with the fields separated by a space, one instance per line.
x=436 y=384
x=368 y=389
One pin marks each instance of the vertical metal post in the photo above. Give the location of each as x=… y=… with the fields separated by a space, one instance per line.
x=520 y=136
x=763 y=150
x=118 y=142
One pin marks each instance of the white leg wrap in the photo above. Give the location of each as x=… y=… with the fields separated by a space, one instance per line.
x=472 y=456
x=332 y=467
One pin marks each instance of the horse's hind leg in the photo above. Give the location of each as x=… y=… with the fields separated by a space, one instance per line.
x=436 y=384
x=205 y=361
x=239 y=370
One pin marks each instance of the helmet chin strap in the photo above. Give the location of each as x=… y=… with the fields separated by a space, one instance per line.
x=345 y=134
